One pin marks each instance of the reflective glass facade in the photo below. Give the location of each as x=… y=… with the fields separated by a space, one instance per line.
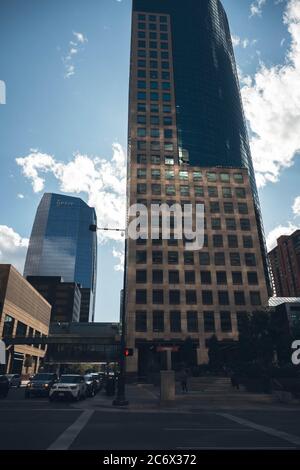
x=61 y=243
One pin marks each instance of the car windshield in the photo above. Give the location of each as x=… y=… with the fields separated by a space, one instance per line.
x=43 y=377
x=70 y=379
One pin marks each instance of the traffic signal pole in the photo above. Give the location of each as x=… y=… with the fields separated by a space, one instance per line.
x=120 y=399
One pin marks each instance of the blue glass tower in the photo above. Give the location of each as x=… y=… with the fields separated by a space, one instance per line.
x=61 y=244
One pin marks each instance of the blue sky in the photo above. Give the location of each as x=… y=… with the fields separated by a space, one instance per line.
x=66 y=65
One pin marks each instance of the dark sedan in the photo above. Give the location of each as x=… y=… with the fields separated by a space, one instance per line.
x=40 y=385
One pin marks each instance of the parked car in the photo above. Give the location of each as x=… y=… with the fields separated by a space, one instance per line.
x=4 y=386
x=91 y=385
x=14 y=380
x=69 y=386
x=99 y=381
x=40 y=384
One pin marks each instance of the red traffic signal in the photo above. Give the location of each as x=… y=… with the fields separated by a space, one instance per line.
x=128 y=352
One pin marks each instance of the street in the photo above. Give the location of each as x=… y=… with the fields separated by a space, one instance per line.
x=36 y=424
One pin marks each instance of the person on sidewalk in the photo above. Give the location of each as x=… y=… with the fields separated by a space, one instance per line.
x=183 y=380
x=234 y=380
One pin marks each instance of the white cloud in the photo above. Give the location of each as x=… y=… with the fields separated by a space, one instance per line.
x=277 y=232
x=12 y=247
x=256 y=7
x=119 y=254
x=74 y=47
x=244 y=43
x=80 y=37
x=272 y=107
x=20 y=196
x=102 y=181
x=296 y=206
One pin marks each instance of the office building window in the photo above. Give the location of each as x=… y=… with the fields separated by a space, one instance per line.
x=141 y=173
x=239 y=298
x=255 y=298
x=141 y=257
x=221 y=277
x=226 y=325
x=191 y=297
x=175 y=321
x=173 y=277
x=189 y=277
x=174 y=297
x=141 y=321
x=228 y=208
x=235 y=259
x=155 y=159
x=237 y=278
x=218 y=241
x=158 y=321
x=141 y=296
x=242 y=208
x=204 y=258
x=155 y=174
x=252 y=278
x=188 y=257
x=230 y=224
x=157 y=276
x=240 y=193
x=205 y=277
x=211 y=177
x=209 y=322
x=199 y=191
x=207 y=297
x=232 y=241
x=214 y=207
x=223 y=298
x=238 y=177
x=192 y=322
x=250 y=259
x=141 y=276
x=247 y=241
x=225 y=177
x=157 y=296
x=141 y=188
x=245 y=224
x=173 y=257
x=21 y=329
x=220 y=259
x=216 y=223
x=157 y=257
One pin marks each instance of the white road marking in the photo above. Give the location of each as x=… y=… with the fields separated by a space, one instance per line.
x=209 y=429
x=267 y=430
x=65 y=440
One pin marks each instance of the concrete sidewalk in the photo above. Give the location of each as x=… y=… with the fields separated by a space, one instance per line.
x=145 y=398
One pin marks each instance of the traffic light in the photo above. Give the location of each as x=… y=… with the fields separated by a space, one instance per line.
x=128 y=352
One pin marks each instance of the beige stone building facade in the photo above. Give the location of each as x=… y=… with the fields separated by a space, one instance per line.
x=172 y=293
x=23 y=312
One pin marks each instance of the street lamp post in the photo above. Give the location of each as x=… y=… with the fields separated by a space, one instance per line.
x=120 y=399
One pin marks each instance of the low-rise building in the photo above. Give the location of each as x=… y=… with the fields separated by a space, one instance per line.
x=23 y=312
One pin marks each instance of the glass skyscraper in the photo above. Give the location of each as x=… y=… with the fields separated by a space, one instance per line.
x=61 y=244
x=188 y=143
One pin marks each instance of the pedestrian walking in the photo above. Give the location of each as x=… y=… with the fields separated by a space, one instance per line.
x=184 y=381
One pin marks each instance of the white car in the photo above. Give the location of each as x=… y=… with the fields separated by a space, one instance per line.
x=70 y=386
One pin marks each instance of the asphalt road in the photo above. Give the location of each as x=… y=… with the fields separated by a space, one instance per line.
x=38 y=424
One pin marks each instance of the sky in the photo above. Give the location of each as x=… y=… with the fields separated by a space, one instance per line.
x=65 y=65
